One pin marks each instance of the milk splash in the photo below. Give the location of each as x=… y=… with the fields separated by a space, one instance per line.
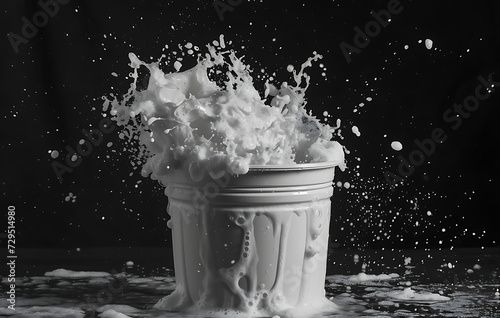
x=232 y=249
x=184 y=120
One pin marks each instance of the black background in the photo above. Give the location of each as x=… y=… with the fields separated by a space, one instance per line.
x=52 y=89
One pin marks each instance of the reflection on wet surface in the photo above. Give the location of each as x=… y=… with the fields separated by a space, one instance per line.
x=376 y=283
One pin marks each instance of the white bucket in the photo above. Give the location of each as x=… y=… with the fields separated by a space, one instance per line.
x=254 y=244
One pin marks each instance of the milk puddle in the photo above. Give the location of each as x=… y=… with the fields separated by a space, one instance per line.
x=371 y=283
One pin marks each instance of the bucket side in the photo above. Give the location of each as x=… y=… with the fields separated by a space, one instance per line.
x=255 y=243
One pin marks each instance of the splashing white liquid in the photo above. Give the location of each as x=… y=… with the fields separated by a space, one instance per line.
x=184 y=120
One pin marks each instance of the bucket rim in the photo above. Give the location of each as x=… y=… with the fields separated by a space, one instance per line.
x=294 y=166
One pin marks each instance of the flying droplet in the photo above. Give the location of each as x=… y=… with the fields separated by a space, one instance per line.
x=428 y=44
x=396 y=145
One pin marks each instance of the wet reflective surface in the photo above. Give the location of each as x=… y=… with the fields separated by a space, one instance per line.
x=375 y=283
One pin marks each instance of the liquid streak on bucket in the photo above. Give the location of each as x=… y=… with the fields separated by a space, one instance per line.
x=255 y=243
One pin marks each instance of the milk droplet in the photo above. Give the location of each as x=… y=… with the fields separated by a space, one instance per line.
x=396 y=145
x=289 y=68
x=221 y=41
x=428 y=44
x=54 y=154
x=355 y=130
x=407 y=260
x=177 y=65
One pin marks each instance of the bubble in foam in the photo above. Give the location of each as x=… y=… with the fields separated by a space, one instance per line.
x=240 y=220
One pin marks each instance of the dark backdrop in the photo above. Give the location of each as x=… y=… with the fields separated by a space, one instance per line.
x=53 y=79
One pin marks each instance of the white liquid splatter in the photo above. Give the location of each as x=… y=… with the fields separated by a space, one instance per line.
x=428 y=44
x=187 y=120
x=396 y=145
x=355 y=130
x=61 y=272
x=177 y=65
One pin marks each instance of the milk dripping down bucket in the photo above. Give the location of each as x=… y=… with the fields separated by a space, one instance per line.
x=254 y=243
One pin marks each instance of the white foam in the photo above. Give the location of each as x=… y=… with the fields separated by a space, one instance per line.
x=110 y=313
x=188 y=121
x=363 y=277
x=410 y=294
x=65 y=273
x=47 y=312
x=120 y=308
